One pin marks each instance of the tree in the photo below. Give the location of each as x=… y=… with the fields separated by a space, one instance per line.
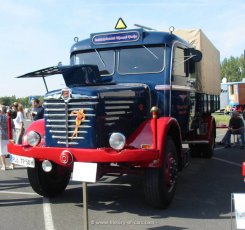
x=7 y=100
x=233 y=68
x=10 y=100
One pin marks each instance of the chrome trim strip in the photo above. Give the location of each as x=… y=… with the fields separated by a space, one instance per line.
x=86 y=109
x=83 y=103
x=64 y=137
x=162 y=87
x=119 y=102
x=71 y=126
x=54 y=103
x=182 y=88
x=57 y=96
x=71 y=143
x=58 y=109
x=54 y=115
x=50 y=120
x=117 y=107
x=111 y=118
x=60 y=131
x=109 y=124
x=115 y=113
x=196 y=142
x=86 y=114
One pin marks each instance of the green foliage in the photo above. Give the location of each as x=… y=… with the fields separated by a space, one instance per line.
x=10 y=100
x=233 y=69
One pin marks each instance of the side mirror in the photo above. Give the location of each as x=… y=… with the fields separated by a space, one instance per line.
x=195 y=55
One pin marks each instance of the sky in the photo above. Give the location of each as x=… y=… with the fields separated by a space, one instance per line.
x=39 y=34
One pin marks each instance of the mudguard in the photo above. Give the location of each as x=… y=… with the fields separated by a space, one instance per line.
x=166 y=126
x=37 y=126
x=211 y=128
x=243 y=170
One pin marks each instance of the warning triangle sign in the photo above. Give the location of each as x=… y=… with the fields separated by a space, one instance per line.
x=120 y=24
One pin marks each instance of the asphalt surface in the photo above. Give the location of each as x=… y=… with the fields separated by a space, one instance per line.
x=202 y=200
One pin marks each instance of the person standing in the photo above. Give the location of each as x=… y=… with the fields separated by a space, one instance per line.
x=37 y=110
x=19 y=127
x=3 y=137
x=19 y=124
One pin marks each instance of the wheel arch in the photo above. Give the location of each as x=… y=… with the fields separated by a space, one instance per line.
x=37 y=126
x=169 y=127
x=211 y=127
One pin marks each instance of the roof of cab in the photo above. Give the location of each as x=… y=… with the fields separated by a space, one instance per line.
x=147 y=38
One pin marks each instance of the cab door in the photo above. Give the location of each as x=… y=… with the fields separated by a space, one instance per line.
x=180 y=86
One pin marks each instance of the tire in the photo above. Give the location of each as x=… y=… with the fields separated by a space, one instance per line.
x=208 y=150
x=160 y=183
x=49 y=184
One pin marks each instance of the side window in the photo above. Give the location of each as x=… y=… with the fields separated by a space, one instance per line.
x=179 y=63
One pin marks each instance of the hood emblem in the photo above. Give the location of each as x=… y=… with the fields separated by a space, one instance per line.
x=66 y=94
x=79 y=118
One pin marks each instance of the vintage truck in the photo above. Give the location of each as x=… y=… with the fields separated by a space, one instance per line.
x=132 y=99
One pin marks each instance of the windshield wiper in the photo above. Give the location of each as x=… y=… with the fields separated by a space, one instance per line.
x=154 y=55
x=100 y=57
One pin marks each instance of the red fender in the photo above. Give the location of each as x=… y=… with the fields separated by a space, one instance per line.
x=168 y=126
x=145 y=133
x=37 y=126
x=243 y=169
x=211 y=122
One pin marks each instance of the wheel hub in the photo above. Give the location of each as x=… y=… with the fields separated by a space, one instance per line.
x=171 y=172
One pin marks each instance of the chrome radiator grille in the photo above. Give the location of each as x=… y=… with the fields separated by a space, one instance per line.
x=61 y=122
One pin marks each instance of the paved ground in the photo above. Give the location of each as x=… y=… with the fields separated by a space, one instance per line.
x=202 y=200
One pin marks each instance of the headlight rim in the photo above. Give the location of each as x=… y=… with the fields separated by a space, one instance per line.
x=114 y=138
x=33 y=134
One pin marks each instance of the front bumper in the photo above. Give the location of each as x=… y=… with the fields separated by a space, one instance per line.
x=140 y=157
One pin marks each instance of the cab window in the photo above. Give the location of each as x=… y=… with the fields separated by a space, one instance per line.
x=179 y=62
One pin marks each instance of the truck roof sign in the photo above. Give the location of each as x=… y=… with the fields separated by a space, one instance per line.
x=115 y=37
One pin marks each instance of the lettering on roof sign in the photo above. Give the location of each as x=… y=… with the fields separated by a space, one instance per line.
x=120 y=24
x=129 y=36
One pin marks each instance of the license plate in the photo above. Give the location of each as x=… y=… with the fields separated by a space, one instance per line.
x=24 y=161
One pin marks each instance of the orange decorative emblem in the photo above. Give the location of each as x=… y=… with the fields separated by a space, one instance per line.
x=80 y=117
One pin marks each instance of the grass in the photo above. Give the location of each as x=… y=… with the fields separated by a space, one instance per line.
x=221 y=119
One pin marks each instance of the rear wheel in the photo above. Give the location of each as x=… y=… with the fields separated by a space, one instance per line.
x=208 y=150
x=160 y=183
x=48 y=184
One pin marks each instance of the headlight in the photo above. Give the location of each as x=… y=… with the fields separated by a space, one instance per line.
x=33 y=138
x=117 y=141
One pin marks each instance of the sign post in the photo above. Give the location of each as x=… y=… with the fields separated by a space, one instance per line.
x=239 y=205
x=85 y=172
x=85 y=206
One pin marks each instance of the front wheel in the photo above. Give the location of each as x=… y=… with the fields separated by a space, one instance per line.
x=48 y=184
x=160 y=183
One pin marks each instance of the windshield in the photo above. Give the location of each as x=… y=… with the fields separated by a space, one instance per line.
x=143 y=59
x=135 y=60
x=105 y=60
